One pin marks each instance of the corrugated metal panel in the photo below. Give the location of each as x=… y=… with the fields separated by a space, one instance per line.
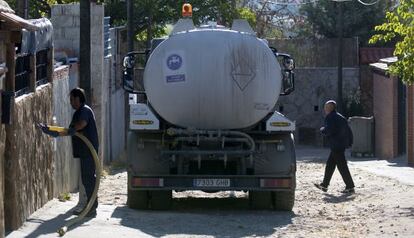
x=373 y=54
x=107 y=37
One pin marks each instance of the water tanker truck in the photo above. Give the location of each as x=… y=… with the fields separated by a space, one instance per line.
x=203 y=117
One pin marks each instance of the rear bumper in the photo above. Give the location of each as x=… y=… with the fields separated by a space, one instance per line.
x=227 y=182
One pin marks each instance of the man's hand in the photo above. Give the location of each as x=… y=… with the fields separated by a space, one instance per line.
x=45 y=129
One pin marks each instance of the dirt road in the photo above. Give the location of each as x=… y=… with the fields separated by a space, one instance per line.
x=381 y=207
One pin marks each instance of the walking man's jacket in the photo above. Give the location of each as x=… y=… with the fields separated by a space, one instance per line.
x=338 y=134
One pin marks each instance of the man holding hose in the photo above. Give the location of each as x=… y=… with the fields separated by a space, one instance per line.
x=83 y=121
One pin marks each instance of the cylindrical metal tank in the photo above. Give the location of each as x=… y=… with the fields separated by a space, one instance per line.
x=212 y=79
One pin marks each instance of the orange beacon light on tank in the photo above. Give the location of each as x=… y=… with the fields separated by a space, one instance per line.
x=187 y=10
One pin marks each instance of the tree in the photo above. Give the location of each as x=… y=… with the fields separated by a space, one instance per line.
x=39 y=8
x=399 y=26
x=359 y=20
x=152 y=16
x=273 y=20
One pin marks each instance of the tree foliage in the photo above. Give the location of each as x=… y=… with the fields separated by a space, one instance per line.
x=358 y=20
x=38 y=8
x=152 y=16
x=399 y=26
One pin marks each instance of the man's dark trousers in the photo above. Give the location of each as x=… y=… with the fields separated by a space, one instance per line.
x=337 y=158
x=88 y=177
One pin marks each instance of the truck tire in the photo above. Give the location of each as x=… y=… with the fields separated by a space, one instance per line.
x=260 y=200
x=161 y=200
x=283 y=200
x=137 y=199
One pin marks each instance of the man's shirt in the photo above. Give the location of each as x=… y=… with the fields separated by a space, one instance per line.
x=84 y=113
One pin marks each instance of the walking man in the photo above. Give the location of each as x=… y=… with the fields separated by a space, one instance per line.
x=83 y=121
x=339 y=137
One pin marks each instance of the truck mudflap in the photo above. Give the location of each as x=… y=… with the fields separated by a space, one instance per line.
x=213 y=183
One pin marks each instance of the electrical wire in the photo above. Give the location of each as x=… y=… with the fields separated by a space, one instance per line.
x=298 y=2
x=368 y=4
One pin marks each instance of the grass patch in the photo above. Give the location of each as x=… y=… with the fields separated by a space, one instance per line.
x=64 y=197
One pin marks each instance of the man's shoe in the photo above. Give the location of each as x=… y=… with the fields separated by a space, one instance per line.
x=321 y=187
x=348 y=191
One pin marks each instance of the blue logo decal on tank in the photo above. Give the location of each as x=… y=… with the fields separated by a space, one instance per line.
x=174 y=62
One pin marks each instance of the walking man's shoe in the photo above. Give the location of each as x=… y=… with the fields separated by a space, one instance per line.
x=348 y=191
x=321 y=187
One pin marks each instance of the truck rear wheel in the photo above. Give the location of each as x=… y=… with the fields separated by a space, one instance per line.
x=137 y=199
x=283 y=200
x=260 y=199
x=161 y=200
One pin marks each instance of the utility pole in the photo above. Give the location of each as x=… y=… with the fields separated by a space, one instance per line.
x=340 y=53
x=130 y=25
x=85 y=49
x=22 y=8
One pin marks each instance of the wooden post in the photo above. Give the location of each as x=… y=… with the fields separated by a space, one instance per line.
x=50 y=63
x=85 y=50
x=11 y=66
x=32 y=82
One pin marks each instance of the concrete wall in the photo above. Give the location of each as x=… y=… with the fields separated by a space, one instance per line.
x=2 y=147
x=65 y=19
x=385 y=115
x=99 y=84
x=316 y=81
x=66 y=169
x=66 y=22
x=313 y=87
x=117 y=96
x=28 y=157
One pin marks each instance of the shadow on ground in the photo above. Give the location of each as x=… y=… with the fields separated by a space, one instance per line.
x=219 y=217
x=330 y=198
x=51 y=226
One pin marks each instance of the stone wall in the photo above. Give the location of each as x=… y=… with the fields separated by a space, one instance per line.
x=313 y=87
x=28 y=157
x=66 y=169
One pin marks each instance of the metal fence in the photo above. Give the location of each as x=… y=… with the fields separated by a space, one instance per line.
x=41 y=67
x=22 y=75
x=107 y=37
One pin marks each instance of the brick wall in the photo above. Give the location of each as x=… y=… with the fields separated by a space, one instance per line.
x=410 y=125
x=385 y=110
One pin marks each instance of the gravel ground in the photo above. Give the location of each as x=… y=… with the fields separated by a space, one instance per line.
x=381 y=207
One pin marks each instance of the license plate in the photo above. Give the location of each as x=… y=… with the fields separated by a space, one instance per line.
x=212 y=183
